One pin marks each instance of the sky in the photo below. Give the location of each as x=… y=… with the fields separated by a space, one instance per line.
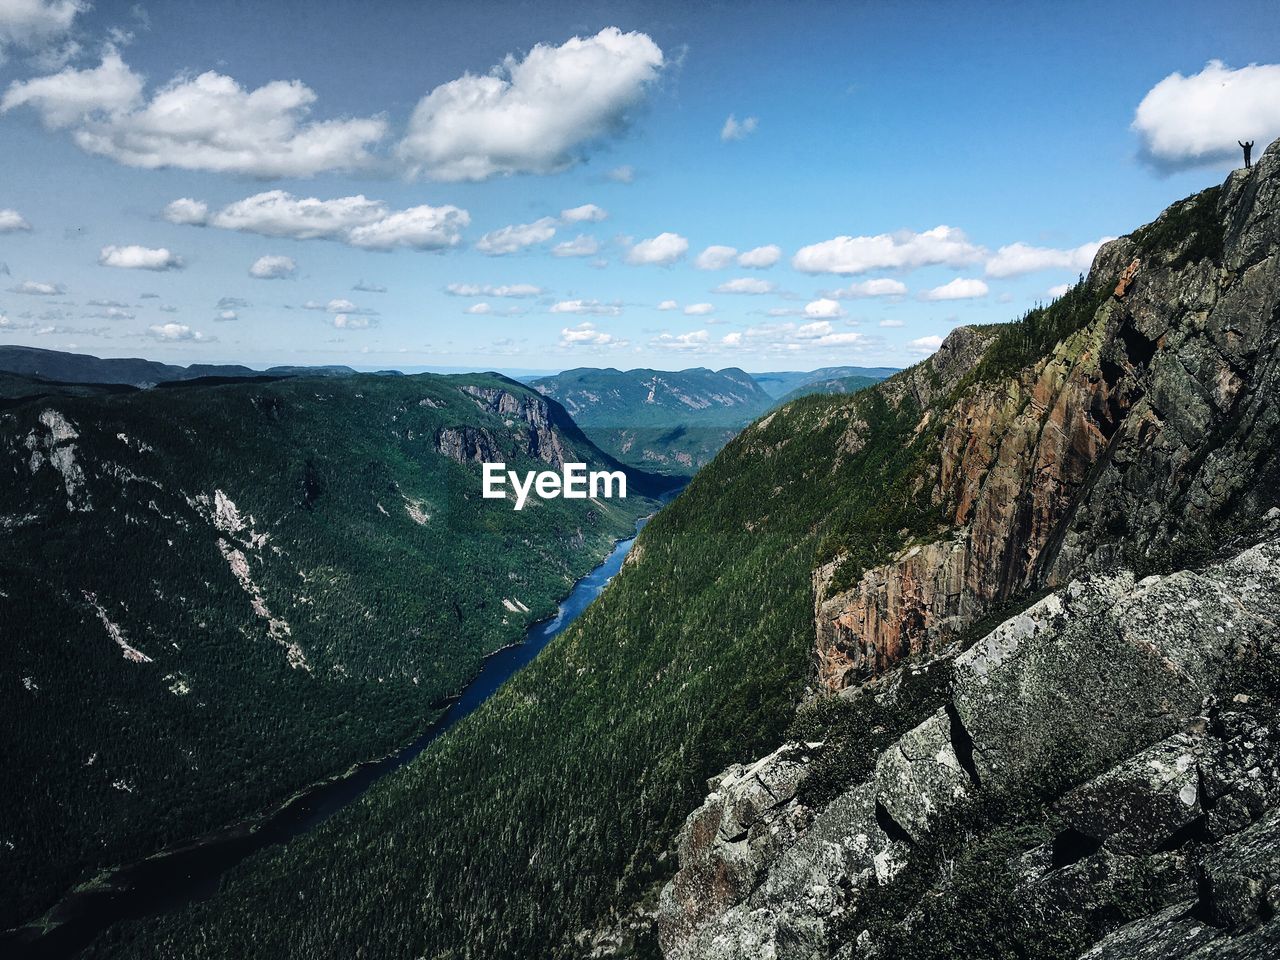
x=538 y=186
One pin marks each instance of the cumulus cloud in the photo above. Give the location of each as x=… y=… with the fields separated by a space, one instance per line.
x=1015 y=259
x=580 y=246
x=735 y=129
x=823 y=307
x=791 y=337
x=175 y=331
x=35 y=24
x=585 y=334
x=134 y=257
x=759 y=258
x=1058 y=290
x=923 y=346
x=539 y=114
x=207 y=122
x=961 y=288
x=479 y=308
x=587 y=213
x=345 y=321
x=587 y=306
x=35 y=288
x=879 y=287
x=516 y=237
x=356 y=221
x=668 y=305
x=1195 y=121
x=367 y=287
x=186 y=211
x=11 y=222
x=746 y=285
x=904 y=250
x=694 y=340
x=715 y=257
x=273 y=267
x=226 y=316
x=699 y=309
x=665 y=248
x=493 y=290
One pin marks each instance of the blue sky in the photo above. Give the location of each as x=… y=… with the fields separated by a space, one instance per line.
x=969 y=155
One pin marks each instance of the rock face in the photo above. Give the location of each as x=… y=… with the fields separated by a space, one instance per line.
x=1101 y=695
x=526 y=415
x=1149 y=431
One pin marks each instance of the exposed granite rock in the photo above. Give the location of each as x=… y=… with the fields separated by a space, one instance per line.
x=1096 y=695
x=1147 y=435
x=527 y=412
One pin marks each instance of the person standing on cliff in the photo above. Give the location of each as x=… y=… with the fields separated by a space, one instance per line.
x=1248 y=152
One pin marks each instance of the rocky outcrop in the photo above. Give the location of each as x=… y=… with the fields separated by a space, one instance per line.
x=1145 y=435
x=528 y=414
x=1102 y=695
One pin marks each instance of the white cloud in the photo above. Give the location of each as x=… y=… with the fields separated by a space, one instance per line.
x=892 y=323
x=904 y=250
x=134 y=257
x=694 y=340
x=623 y=174
x=783 y=338
x=1058 y=290
x=665 y=248
x=699 y=309
x=175 y=331
x=35 y=288
x=961 y=288
x=923 y=346
x=580 y=246
x=346 y=322
x=1196 y=120
x=516 y=237
x=735 y=129
x=668 y=305
x=585 y=334
x=11 y=222
x=587 y=306
x=72 y=97
x=479 y=308
x=35 y=24
x=878 y=287
x=186 y=211
x=356 y=221
x=715 y=257
x=1019 y=258
x=759 y=258
x=492 y=290
x=823 y=307
x=732 y=339
x=536 y=115
x=587 y=213
x=273 y=267
x=207 y=122
x=746 y=285
x=226 y=316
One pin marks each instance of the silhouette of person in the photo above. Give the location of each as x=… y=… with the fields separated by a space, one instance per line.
x=1248 y=152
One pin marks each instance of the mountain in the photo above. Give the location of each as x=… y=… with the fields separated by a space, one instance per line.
x=781 y=384
x=977 y=662
x=61 y=367
x=214 y=595
x=839 y=384
x=980 y=661
x=675 y=422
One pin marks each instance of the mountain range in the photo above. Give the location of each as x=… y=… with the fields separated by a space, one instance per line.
x=979 y=661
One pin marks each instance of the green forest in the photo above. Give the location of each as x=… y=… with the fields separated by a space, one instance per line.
x=257 y=584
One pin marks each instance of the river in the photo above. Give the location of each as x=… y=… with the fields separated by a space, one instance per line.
x=190 y=873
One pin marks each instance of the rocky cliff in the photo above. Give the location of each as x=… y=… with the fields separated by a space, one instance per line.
x=1097 y=775
x=1145 y=432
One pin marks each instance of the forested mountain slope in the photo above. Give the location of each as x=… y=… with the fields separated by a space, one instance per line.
x=855 y=552
x=213 y=595
x=782 y=384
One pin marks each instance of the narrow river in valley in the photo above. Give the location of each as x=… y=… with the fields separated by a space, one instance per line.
x=190 y=873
